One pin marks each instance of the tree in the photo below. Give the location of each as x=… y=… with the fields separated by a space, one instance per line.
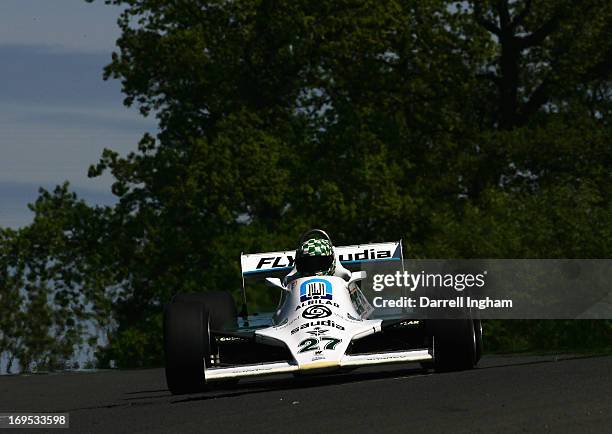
x=55 y=288
x=467 y=129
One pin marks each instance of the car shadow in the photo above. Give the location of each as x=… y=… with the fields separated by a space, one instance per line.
x=146 y=391
x=298 y=382
x=287 y=382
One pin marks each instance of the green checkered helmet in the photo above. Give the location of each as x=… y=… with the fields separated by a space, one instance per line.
x=315 y=257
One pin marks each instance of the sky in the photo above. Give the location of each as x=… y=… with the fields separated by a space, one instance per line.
x=57 y=114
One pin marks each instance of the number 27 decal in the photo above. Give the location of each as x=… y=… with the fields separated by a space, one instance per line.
x=312 y=344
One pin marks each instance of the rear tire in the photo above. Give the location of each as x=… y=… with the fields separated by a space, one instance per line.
x=455 y=344
x=186 y=345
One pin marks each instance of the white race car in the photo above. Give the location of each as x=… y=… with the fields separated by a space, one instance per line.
x=323 y=323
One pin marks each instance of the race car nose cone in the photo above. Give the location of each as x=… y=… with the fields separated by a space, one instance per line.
x=319 y=366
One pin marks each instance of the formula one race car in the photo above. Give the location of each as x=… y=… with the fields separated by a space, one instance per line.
x=323 y=323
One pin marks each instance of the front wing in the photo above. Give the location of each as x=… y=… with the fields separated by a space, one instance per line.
x=261 y=369
x=377 y=349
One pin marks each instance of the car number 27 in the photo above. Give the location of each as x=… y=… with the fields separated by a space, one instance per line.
x=312 y=344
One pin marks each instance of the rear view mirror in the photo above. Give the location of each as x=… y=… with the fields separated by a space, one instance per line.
x=357 y=276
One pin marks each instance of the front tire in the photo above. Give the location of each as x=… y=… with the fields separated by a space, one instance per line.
x=456 y=344
x=186 y=345
x=478 y=331
x=220 y=305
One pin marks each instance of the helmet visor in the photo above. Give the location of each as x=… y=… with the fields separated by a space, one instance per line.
x=313 y=264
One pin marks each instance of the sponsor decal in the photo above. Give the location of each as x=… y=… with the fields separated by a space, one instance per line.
x=317 y=332
x=283 y=261
x=408 y=323
x=315 y=289
x=228 y=339
x=318 y=344
x=365 y=255
x=316 y=311
x=316 y=302
x=316 y=325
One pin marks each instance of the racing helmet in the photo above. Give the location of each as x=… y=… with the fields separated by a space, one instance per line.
x=315 y=254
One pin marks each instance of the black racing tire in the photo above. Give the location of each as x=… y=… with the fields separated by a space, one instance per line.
x=220 y=304
x=478 y=331
x=455 y=347
x=186 y=346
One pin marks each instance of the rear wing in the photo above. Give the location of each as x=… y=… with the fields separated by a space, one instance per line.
x=278 y=264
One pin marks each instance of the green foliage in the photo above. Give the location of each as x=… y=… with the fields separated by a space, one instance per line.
x=49 y=294
x=470 y=129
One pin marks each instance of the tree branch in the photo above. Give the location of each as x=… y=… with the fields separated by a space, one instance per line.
x=504 y=14
x=480 y=19
x=537 y=99
x=490 y=76
x=540 y=34
x=518 y=19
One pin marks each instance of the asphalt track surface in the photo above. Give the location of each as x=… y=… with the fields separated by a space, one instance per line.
x=505 y=394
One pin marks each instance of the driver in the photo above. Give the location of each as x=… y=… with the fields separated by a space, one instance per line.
x=316 y=257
